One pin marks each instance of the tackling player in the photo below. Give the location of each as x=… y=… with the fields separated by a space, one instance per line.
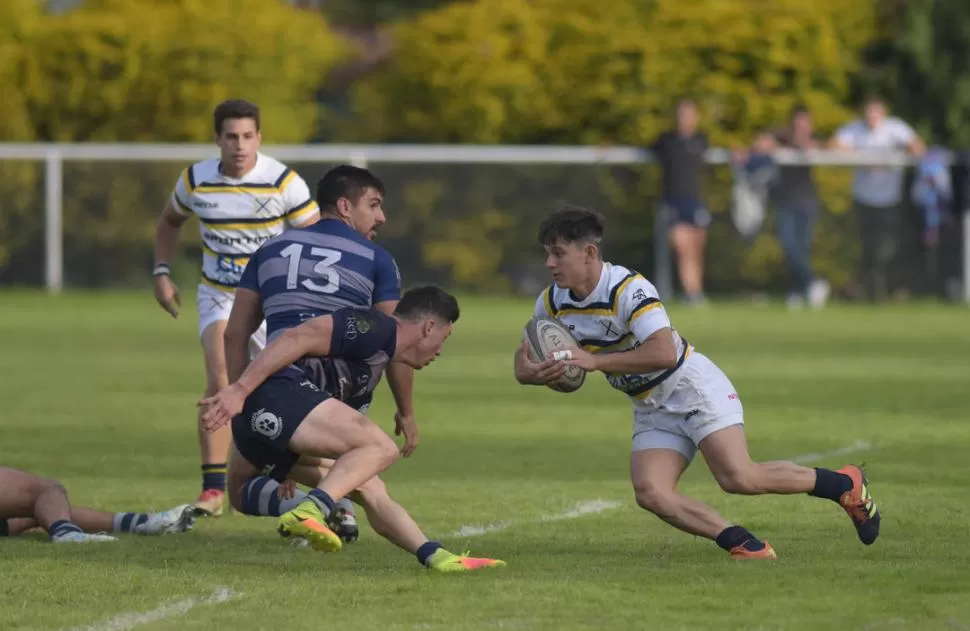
x=339 y=266
x=289 y=420
x=28 y=501
x=682 y=402
x=241 y=199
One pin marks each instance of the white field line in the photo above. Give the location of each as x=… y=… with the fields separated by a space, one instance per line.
x=593 y=507
x=132 y=619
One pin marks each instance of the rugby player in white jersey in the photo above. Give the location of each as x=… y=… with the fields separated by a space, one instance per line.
x=242 y=198
x=682 y=402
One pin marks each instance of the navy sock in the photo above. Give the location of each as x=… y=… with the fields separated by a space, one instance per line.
x=214 y=477
x=323 y=500
x=260 y=497
x=734 y=536
x=126 y=522
x=830 y=484
x=62 y=527
x=426 y=550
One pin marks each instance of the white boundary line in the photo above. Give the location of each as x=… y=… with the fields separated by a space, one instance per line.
x=132 y=619
x=593 y=507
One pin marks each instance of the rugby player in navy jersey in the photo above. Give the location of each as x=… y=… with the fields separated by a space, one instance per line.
x=314 y=272
x=285 y=419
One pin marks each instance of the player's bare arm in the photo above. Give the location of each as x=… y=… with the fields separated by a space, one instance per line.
x=657 y=352
x=244 y=320
x=167 y=231
x=310 y=338
x=400 y=379
x=530 y=373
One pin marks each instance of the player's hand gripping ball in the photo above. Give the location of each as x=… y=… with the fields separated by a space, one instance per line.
x=546 y=337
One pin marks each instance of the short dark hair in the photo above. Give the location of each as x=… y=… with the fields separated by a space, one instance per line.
x=428 y=300
x=347 y=181
x=572 y=224
x=799 y=109
x=873 y=98
x=235 y=108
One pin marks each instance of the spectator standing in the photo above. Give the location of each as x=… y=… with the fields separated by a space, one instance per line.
x=680 y=152
x=877 y=191
x=797 y=203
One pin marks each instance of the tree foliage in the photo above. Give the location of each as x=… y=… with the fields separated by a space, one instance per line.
x=148 y=70
x=575 y=72
x=141 y=70
x=921 y=62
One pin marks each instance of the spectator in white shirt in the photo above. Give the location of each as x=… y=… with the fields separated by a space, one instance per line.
x=877 y=191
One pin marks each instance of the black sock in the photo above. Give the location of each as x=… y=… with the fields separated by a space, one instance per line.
x=4 y=528
x=426 y=550
x=734 y=536
x=323 y=501
x=830 y=484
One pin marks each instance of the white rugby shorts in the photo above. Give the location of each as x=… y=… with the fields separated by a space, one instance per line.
x=702 y=402
x=215 y=305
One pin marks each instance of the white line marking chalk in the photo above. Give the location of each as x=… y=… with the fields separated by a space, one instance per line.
x=857 y=446
x=132 y=619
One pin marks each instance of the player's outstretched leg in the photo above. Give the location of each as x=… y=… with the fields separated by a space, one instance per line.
x=655 y=471
x=726 y=452
x=25 y=495
x=360 y=450
x=391 y=521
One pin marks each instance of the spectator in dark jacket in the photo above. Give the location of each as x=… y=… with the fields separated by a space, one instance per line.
x=680 y=152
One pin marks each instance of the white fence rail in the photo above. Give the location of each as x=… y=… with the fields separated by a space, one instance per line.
x=53 y=156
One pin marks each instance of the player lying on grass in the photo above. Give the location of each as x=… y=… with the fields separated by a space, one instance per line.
x=28 y=501
x=682 y=402
x=289 y=421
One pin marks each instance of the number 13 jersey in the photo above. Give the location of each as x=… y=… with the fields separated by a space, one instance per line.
x=302 y=274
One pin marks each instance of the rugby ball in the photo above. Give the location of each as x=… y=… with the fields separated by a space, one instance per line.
x=548 y=336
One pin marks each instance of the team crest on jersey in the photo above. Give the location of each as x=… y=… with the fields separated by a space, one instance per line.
x=267 y=424
x=357 y=325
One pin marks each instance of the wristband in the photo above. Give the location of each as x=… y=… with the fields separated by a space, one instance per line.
x=161 y=269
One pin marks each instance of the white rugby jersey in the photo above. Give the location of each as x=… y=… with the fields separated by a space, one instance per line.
x=622 y=311
x=237 y=215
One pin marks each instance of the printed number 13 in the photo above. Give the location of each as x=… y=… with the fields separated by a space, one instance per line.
x=324 y=268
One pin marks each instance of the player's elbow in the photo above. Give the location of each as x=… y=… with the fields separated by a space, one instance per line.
x=668 y=358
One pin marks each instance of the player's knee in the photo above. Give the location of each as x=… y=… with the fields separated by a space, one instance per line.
x=377 y=439
x=388 y=449
x=656 y=499
x=740 y=481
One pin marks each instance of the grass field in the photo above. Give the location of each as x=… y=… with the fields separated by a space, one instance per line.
x=98 y=390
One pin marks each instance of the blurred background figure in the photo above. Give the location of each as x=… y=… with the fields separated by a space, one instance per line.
x=680 y=152
x=932 y=194
x=797 y=204
x=877 y=191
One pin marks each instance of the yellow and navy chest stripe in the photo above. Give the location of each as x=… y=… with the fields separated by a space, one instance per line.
x=254 y=189
x=609 y=308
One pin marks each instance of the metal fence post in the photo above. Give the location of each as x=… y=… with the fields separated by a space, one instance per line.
x=53 y=224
